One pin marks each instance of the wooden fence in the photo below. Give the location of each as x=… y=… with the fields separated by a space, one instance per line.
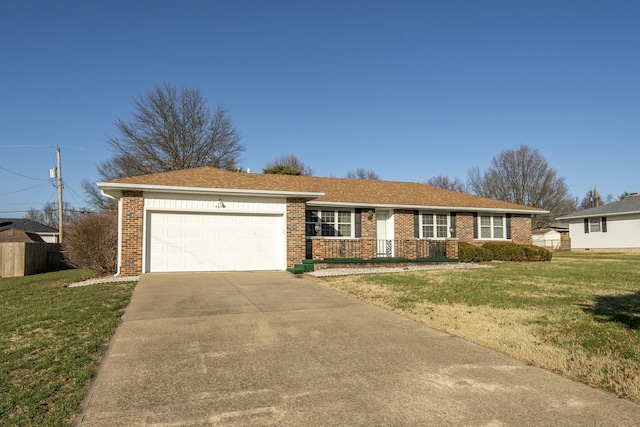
x=23 y=259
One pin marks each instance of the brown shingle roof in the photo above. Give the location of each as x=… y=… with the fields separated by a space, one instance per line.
x=336 y=190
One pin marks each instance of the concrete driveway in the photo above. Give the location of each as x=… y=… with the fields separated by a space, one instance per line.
x=274 y=349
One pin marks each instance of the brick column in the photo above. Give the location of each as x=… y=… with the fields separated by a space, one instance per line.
x=131 y=239
x=318 y=248
x=367 y=247
x=451 y=248
x=295 y=231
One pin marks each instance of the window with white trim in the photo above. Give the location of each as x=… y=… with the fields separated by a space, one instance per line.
x=594 y=225
x=492 y=226
x=434 y=226
x=329 y=222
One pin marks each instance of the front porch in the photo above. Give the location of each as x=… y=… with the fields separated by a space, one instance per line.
x=322 y=252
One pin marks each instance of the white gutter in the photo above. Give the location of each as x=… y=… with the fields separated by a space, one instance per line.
x=413 y=207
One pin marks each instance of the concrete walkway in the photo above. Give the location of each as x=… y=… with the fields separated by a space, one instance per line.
x=274 y=349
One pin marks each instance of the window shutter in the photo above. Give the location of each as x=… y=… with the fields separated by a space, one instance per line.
x=586 y=225
x=416 y=224
x=475 y=225
x=452 y=223
x=508 y=226
x=604 y=224
x=358 y=222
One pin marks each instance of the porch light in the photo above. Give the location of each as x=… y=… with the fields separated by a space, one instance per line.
x=451 y=231
x=220 y=204
x=370 y=214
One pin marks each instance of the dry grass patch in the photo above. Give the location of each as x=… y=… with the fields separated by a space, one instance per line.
x=578 y=315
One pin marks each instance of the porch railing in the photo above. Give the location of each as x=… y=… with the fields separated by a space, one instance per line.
x=322 y=248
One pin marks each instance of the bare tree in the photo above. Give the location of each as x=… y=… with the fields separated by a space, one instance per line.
x=287 y=165
x=48 y=215
x=524 y=177
x=170 y=129
x=592 y=199
x=447 y=183
x=362 y=173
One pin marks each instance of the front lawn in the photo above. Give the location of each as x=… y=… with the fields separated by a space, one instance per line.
x=51 y=340
x=578 y=315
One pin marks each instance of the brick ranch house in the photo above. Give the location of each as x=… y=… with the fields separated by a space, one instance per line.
x=206 y=219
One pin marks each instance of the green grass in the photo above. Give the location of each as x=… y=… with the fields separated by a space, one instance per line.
x=51 y=341
x=578 y=315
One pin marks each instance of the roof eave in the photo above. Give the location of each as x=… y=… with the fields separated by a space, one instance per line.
x=114 y=190
x=601 y=214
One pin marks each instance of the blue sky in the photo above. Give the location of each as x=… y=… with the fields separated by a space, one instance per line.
x=410 y=89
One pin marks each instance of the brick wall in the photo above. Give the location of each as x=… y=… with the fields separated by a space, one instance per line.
x=132 y=217
x=520 y=228
x=403 y=224
x=368 y=226
x=295 y=231
x=464 y=227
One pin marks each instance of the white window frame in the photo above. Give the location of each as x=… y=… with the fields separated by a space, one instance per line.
x=334 y=224
x=492 y=227
x=595 y=225
x=434 y=225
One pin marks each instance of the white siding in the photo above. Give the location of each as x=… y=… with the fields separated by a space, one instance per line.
x=211 y=203
x=623 y=232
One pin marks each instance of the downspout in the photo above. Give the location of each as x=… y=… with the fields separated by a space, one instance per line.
x=119 y=258
x=119 y=237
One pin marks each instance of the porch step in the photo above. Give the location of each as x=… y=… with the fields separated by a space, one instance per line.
x=305 y=267
x=296 y=269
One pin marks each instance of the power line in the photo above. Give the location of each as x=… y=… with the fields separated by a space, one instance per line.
x=24 y=189
x=24 y=176
x=74 y=193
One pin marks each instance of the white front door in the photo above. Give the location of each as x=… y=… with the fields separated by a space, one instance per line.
x=384 y=243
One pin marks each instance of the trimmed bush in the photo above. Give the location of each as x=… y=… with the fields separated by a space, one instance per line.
x=507 y=251
x=537 y=253
x=471 y=253
x=91 y=242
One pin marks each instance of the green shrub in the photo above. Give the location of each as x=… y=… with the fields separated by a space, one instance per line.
x=91 y=242
x=536 y=253
x=507 y=251
x=471 y=253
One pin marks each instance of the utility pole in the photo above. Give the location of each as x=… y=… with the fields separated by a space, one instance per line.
x=595 y=196
x=60 y=187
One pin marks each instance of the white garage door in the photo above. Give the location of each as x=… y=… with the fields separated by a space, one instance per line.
x=214 y=242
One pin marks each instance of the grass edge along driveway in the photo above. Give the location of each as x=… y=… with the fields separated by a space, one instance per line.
x=578 y=316
x=51 y=341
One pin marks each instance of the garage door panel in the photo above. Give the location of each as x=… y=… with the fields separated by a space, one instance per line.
x=214 y=242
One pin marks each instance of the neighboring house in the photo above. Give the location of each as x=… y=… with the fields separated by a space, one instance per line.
x=14 y=235
x=48 y=234
x=555 y=236
x=206 y=219
x=612 y=226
